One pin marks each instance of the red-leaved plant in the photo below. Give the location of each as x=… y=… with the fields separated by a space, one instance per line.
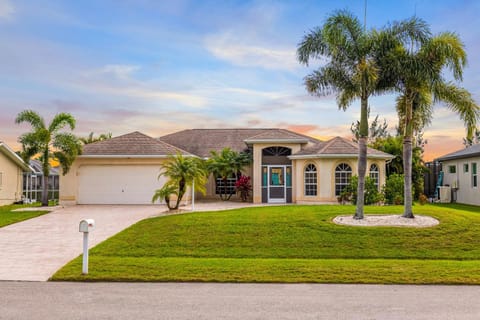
x=243 y=186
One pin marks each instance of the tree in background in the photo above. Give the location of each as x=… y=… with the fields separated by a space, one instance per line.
x=50 y=143
x=227 y=164
x=353 y=56
x=91 y=139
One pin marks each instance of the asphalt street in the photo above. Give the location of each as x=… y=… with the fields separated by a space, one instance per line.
x=61 y=300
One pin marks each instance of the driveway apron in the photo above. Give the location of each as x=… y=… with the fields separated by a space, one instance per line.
x=34 y=249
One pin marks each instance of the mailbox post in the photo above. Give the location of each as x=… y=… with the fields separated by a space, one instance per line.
x=86 y=226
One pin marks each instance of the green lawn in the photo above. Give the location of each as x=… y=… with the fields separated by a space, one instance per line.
x=7 y=216
x=289 y=244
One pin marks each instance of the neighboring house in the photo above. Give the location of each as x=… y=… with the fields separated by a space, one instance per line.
x=12 y=168
x=33 y=183
x=287 y=167
x=460 y=173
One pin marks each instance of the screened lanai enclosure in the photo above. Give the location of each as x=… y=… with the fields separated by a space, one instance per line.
x=33 y=182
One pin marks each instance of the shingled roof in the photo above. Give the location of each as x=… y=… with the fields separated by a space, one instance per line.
x=472 y=151
x=132 y=144
x=337 y=146
x=201 y=141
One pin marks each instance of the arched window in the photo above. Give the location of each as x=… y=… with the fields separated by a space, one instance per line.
x=310 y=179
x=375 y=174
x=343 y=175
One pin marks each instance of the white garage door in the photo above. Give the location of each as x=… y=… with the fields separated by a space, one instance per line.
x=118 y=184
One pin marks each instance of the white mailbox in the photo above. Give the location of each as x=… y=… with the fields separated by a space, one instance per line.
x=87 y=225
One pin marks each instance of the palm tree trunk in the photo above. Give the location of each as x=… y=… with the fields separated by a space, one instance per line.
x=46 y=173
x=407 y=171
x=362 y=157
x=362 y=168
x=407 y=161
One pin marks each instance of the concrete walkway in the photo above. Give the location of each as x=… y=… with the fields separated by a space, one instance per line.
x=34 y=249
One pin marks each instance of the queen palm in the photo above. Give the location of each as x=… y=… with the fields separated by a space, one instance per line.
x=49 y=142
x=418 y=76
x=181 y=172
x=352 y=71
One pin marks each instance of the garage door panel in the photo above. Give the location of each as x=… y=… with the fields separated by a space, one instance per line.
x=118 y=184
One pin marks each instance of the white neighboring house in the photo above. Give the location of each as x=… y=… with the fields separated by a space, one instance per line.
x=12 y=168
x=460 y=173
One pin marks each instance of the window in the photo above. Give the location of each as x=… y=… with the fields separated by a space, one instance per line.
x=474 y=175
x=310 y=179
x=225 y=187
x=452 y=169
x=465 y=168
x=343 y=174
x=375 y=174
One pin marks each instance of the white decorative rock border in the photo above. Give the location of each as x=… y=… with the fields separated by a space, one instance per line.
x=387 y=221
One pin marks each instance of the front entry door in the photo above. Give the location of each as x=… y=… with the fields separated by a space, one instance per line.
x=276 y=184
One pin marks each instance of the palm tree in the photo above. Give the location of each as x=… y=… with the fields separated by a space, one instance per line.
x=181 y=172
x=418 y=77
x=91 y=139
x=226 y=164
x=352 y=69
x=49 y=142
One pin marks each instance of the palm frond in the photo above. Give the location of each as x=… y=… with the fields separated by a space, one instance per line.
x=60 y=121
x=32 y=117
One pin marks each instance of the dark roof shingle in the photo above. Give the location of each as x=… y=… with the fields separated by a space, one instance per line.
x=472 y=151
x=135 y=143
x=338 y=146
x=201 y=141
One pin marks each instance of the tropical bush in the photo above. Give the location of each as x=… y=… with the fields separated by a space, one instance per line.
x=394 y=189
x=372 y=195
x=243 y=186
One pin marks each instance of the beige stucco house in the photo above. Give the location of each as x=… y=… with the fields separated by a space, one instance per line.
x=287 y=167
x=12 y=168
x=460 y=175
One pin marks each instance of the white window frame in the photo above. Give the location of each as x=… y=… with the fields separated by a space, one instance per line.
x=310 y=180
x=375 y=174
x=344 y=176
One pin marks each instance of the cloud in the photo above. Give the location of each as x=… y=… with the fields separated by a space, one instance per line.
x=230 y=47
x=7 y=10
x=121 y=71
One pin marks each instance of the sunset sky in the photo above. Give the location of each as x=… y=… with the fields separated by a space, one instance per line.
x=162 y=66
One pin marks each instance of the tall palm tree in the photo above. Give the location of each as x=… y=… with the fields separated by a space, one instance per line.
x=352 y=71
x=181 y=172
x=49 y=142
x=418 y=76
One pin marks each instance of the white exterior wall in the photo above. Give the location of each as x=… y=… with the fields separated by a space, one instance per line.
x=326 y=177
x=466 y=192
x=11 y=183
x=70 y=183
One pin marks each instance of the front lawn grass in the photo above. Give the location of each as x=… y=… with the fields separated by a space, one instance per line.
x=8 y=216
x=289 y=244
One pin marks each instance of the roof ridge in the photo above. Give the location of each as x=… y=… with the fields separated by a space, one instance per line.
x=327 y=144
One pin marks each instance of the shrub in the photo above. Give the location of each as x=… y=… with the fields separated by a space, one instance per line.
x=422 y=199
x=393 y=189
x=243 y=186
x=372 y=195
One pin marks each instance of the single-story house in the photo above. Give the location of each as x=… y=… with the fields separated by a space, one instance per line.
x=12 y=168
x=460 y=175
x=287 y=167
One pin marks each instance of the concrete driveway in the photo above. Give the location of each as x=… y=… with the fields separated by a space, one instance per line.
x=33 y=250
